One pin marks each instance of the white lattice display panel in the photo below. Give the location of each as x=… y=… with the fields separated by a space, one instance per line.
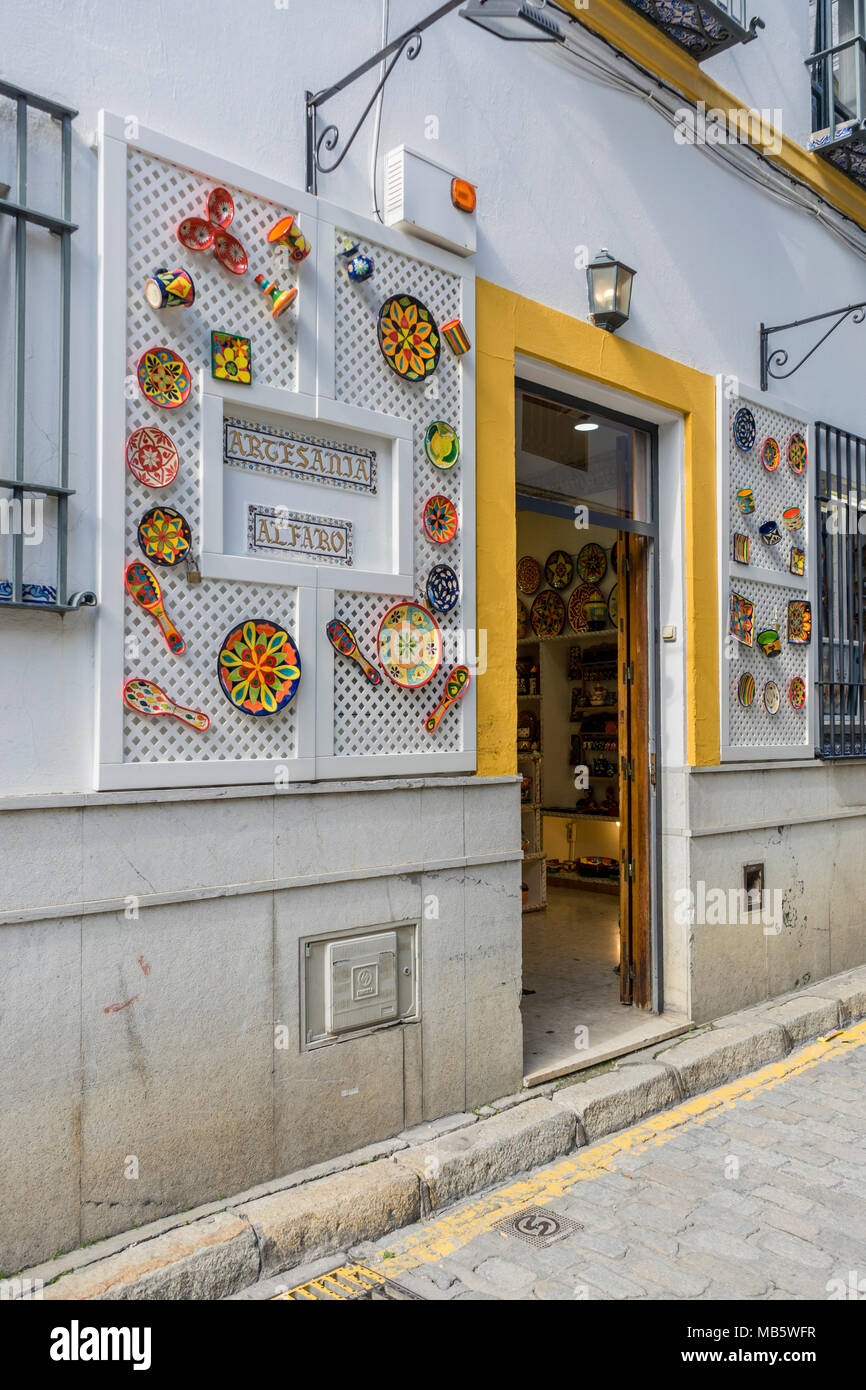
x=767 y=582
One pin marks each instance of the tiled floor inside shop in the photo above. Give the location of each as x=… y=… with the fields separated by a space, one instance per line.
x=570 y=950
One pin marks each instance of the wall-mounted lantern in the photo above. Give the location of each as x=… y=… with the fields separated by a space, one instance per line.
x=609 y=282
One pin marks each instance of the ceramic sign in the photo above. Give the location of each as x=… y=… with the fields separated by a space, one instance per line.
x=164 y=377
x=146 y=697
x=259 y=667
x=302 y=457
x=276 y=530
x=342 y=639
x=152 y=457
x=231 y=358
x=143 y=586
x=408 y=337
x=409 y=645
x=164 y=536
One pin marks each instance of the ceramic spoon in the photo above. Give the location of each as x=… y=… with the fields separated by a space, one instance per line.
x=455 y=688
x=342 y=639
x=147 y=698
x=143 y=585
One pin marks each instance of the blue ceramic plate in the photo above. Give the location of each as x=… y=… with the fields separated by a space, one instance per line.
x=443 y=588
x=745 y=429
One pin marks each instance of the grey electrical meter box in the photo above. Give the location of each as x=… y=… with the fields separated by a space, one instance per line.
x=360 y=981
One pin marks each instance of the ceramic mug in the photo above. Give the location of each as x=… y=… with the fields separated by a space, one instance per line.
x=770 y=533
x=169 y=289
x=769 y=641
x=746 y=500
x=793 y=518
x=287 y=233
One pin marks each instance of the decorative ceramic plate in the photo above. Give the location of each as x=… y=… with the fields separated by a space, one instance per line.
x=259 y=667
x=798 y=453
x=152 y=457
x=741 y=548
x=772 y=698
x=548 y=614
x=528 y=574
x=440 y=519
x=745 y=429
x=164 y=536
x=799 y=622
x=746 y=690
x=522 y=621
x=584 y=593
x=409 y=645
x=797 y=562
x=742 y=619
x=592 y=563
x=443 y=588
x=164 y=377
x=559 y=569
x=408 y=337
x=771 y=454
x=441 y=444
x=612 y=606
x=797 y=692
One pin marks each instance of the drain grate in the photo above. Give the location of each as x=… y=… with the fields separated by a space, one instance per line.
x=538 y=1227
x=349 y=1284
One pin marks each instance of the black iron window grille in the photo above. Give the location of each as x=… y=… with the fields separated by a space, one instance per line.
x=841 y=498
x=838 y=69
x=702 y=27
x=23 y=495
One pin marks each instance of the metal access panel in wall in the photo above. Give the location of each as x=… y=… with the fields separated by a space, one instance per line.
x=359 y=980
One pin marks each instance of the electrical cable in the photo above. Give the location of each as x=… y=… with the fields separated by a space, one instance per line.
x=377 y=119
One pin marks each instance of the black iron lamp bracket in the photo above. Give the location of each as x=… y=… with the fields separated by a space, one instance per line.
x=773 y=360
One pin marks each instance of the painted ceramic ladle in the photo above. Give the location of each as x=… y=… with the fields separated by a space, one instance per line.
x=145 y=697
x=455 y=688
x=342 y=639
x=143 y=585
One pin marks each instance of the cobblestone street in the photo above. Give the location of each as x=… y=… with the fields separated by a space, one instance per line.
x=760 y=1197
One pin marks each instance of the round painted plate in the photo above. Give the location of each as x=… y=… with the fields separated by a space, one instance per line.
x=592 y=563
x=408 y=337
x=798 y=453
x=548 y=614
x=797 y=692
x=440 y=519
x=441 y=444
x=612 y=609
x=745 y=429
x=259 y=667
x=584 y=593
x=522 y=621
x=746 y=690
x=772 y=698
x=409 y=645
x=164 y=377
x=771 y=454
x=528 y=574
x=152 y=457
x=559 y=569
x=164 y=536
x=443 y=588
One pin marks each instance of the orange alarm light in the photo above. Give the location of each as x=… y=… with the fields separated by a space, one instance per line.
x=463 y=195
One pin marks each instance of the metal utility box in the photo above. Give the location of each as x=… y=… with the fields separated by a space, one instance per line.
x=418 y=201
x=357 y=980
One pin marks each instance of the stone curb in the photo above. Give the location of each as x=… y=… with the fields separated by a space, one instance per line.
x=216 y=1250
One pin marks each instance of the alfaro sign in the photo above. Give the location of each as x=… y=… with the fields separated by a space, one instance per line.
x=262 y=449
x=276 y=530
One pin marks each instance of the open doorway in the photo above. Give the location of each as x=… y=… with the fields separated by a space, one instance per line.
x=587 y=699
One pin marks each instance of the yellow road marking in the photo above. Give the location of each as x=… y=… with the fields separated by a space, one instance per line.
x=451 y=1232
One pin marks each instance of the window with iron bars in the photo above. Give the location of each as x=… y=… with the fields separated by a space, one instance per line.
x=841 y=483
x=36 y=269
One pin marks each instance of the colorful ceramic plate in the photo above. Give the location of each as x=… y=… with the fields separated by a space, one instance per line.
x=164 y=377
x=584 y=593
x=746 y=690
x=522 y=621
x=797 y=561
x=441 y=444
x=797 y=692
x=799 y=622
x=164 y=536
x=408 y=337
x=409 y=645
x=798 y=453
x=443 y=588
x=440 y=519
x=741 y=548
x=559 y=569
x=152 y=457
x=592 y=563
x=745 y=429
x=259 y=667
x=547 y=614
x=612 y=608
x=528 y=574
x=771 y=454
x=772 y=698
x=742 y=619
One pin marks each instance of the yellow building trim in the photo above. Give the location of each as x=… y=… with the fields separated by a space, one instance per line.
x=507 y=324
x=639 y=39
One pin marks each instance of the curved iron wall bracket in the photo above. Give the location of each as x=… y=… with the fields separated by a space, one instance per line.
x=772 y=360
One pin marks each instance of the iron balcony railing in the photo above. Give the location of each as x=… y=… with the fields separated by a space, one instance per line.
x=841 y=498
x=702 y=27
x=838 y=71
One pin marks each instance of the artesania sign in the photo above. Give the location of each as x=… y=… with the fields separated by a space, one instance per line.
x=262 y=449
x=326 y=539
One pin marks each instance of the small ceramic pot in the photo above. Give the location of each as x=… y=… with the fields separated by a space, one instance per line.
x=169 y=289
x=793 y=518
x=595 y=614
x=770 y=533
x=356 y=263
x=746 y=501
x=769 y=641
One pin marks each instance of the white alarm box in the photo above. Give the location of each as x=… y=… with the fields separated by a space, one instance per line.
x=418 y=201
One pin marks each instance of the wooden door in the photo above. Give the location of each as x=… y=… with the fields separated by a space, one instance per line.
x=635 y=843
